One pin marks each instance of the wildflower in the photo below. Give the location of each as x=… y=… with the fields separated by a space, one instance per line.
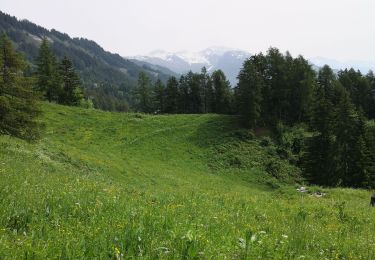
x=285 y=236
x=117 y=252
x=242 y=242
x=253 y=238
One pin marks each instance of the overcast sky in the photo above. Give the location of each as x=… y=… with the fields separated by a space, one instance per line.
x=339 y=29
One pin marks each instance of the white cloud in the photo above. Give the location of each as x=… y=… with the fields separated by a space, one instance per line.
x=341 y=29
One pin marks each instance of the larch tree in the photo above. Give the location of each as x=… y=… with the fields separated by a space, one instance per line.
x=19 y=109
x=144 y=93
x=70 y=90
x=159 y=96
x=47 y=75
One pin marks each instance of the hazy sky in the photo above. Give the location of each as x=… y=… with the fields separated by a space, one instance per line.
x=339 y=29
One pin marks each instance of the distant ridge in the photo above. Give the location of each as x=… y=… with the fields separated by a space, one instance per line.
x=228 y=60
x=106 y=76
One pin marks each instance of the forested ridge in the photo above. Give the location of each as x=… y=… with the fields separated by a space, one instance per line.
x=107 y=78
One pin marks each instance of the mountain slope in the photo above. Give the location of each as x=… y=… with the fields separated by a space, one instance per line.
x=103 y=73
x=228 y=60
x=116 y=185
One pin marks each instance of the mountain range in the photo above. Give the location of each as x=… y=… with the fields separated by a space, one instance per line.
x=230 y=61
x=109 y=78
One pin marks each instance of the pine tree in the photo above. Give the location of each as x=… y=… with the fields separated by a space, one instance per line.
x=222 y=93
x=371 y=79
x=369 y=156
x=320 y=159
x=18 y=105
x=144 y=93
x=47 y=77
x=207 y=91
x=302 y=82
x=184 y=93
x=277 y=80
x=336 y=154
x=349 y=143
x=159 y=96
x=359 y=88
x=249 y=93
x=171 y=96
x=196 y=100
x=70 y=91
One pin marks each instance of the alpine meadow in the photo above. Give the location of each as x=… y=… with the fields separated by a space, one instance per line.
x=213 y=154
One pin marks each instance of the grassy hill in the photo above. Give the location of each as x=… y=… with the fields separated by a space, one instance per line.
x=111 y=185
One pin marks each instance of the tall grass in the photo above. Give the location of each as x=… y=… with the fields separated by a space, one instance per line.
x=107 y=185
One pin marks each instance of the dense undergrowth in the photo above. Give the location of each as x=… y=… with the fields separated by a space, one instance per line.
x=108 y=185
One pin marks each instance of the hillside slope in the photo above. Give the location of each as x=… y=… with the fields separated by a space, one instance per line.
x=103 y=73
x=111 y=185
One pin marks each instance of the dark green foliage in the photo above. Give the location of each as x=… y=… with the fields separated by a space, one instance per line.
x=196 y=101
x=369 y=156
x=281 y=91
x=47 y=76
x=275 y=88
x=57 y=82
x=249 y=92
x=171 y=96
x=18 y=106
x=338 y=152
x=222 y=93
x=159 y=96
x=197 y=93
x=143 y=93
x=359 y=88
x=70 y=92
x=107 y=78
x=207 y=91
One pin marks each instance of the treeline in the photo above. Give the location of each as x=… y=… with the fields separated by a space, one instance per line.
x=57 y=81
x=21 y=88
x=276 y=89
x=191 y=93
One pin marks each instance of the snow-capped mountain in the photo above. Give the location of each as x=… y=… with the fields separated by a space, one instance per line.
x=228 y=60
x=363 y=66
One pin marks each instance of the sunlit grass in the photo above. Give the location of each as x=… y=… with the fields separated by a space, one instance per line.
x=107 y=185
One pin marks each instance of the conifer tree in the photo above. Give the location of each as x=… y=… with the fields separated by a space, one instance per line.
x=144 y=93
x=171 y=96
x=47 y=76
x=184 y=93
x=70 y=90
x=249 y=93
x=159 y=96
x=207 y=91
x=222 y=93
x=336 y=154
x=196 y=101
x=18 y=101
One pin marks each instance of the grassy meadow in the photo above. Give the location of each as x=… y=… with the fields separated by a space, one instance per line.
x=127 y=186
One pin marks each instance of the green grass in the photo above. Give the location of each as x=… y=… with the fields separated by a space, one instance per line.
x=109 y=185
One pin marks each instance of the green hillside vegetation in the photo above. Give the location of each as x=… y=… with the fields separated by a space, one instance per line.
x=107 y=78
x=111 y=185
